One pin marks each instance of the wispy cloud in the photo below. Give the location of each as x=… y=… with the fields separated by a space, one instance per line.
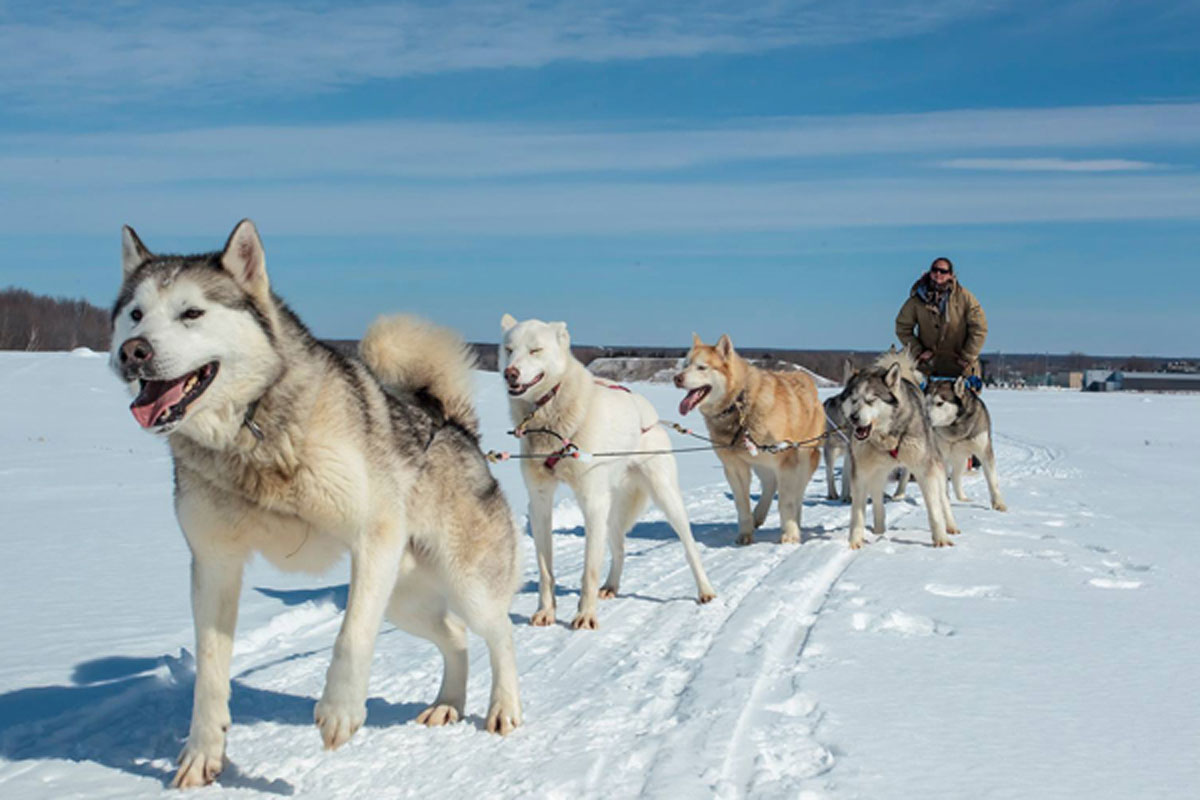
x=99 y=52
x=1051 y=164
x=612 y=208
x=434 y=151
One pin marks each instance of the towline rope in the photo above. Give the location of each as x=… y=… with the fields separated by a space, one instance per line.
x=571 y=450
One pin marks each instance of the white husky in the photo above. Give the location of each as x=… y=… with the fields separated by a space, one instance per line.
x=550 y=390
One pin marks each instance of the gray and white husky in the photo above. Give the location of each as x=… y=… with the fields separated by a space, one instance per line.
x=964 y=428
x=284 y=447
x=891 y=427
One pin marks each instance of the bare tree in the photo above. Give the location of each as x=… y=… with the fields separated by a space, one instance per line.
x=36 y=322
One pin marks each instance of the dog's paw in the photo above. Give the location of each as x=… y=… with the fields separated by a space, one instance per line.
x=953 y=530
x=438 y=714
x=198 y=767
x=856 y=541
x=999 y=505
x=745 y=538
x=542 y=617
x=831 y=495
x=790 y=537
x=943 y=542
x=585 y=620
x=707 y=595
x=338 y=721
x=962 y=498
x=503 y=717
x=608 y=592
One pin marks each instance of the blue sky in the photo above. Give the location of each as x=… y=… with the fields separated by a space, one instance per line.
x=780 y=170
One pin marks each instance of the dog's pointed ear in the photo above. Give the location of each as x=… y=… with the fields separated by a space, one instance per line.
x=245 y=259
x=724 y=346
x=892 y=378
x=848 y=371
x=960 y=387
x=696 y=340
x=133 y=252
x=507 y=323
x=560 y=330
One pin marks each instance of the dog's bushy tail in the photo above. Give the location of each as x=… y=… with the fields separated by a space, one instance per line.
x=413 y=354
x=908 y=367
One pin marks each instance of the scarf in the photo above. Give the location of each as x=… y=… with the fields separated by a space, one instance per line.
x=932 y=295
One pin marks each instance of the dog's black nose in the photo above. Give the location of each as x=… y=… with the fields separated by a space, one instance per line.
x=136 y=351
x=679 y=380
x=511 y=374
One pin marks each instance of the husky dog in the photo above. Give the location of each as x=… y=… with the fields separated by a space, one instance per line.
x=550 y=390
x=964 y=427
x=739 y=403
x=284 y=447
x=836 y=445
x=892 y=428
x=837 y=441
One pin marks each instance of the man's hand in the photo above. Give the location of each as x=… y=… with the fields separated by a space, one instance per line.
x=925 y=356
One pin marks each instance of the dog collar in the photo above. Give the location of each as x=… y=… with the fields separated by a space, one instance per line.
x=547 y=397
x=735 y=405
x=249 y=422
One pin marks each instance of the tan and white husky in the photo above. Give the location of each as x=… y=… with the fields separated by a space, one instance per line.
x=739 y=400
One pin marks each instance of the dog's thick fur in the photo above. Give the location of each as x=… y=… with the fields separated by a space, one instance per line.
x=284 y=447
x=891 y=427
x=737 y=400
x=964 y=429
x=552 y=390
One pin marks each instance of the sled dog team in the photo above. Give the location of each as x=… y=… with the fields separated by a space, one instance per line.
x=285 y=447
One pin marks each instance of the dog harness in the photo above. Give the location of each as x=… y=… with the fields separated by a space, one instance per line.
x=569 y=448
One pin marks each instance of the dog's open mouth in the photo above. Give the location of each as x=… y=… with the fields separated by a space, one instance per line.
x=162 y=402
x=693 y=399
x=516 y=390
x=861 y=432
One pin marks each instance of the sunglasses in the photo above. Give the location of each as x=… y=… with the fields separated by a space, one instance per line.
x=940 y=271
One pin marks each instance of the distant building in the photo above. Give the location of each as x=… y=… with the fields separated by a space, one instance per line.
x=1099 y=380
x=1157 y=381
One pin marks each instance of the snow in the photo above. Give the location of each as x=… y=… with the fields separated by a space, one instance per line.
x=1051 y=653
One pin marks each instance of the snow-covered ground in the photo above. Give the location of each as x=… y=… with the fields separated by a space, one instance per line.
x=1051 y=653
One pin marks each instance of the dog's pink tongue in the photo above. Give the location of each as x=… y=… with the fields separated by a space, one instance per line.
x=689 y=401
x=156 y=396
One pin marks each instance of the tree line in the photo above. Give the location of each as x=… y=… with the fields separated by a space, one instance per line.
x=35 y=322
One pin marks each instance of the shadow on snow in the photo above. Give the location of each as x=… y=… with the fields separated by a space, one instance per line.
x=132 y=714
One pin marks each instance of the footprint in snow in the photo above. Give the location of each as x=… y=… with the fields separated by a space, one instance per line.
x=1114 y=583
x=900 y=622
x=950 y=590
